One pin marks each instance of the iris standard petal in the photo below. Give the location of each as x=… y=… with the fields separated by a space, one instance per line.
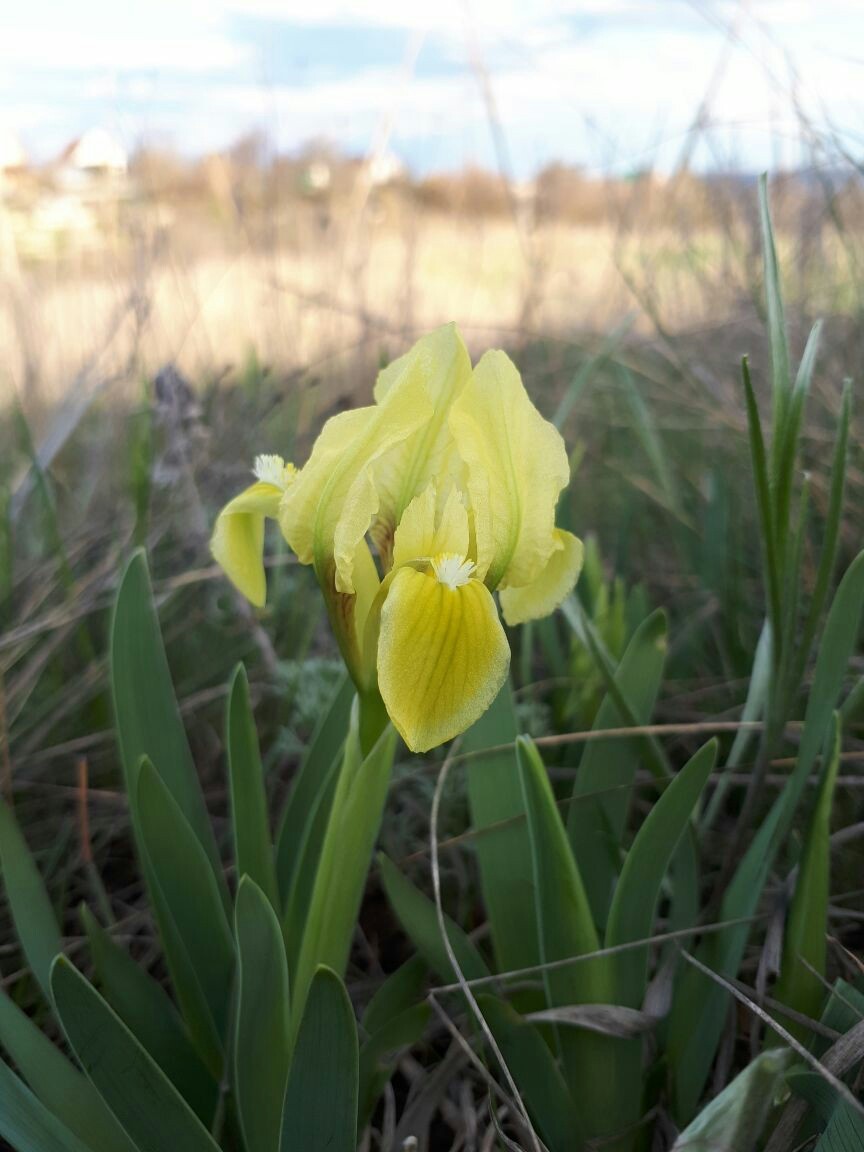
x=544 y=594
x=435 y=371
x=423 y=532
x=237 y=543
x=442 y=656
x=339 y=440
x=330 y=507
x=517 y=466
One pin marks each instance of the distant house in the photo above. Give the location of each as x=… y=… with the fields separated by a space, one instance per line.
x=317 y=176
x=385 y=168
x=96 y=160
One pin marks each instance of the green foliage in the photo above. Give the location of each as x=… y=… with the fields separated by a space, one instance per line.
x=320 y=1112
x=147 y=1105
x=253 y=849
x=574 y=1080
x=601 y=792
x=801 y=984
x=346 y=849
x=261 y=1053
x=503 y=854
x=28 y=1125
x=35 y=921
x=581 y=1069
x=219 y=1072
x=735 y=1120
x=615 y=613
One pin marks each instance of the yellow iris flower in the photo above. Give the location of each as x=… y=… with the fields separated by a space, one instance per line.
x=452 y=477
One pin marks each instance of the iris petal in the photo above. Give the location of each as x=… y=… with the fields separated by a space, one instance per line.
x=237 y=543
x=423 y=533
x=442 y=657
x=517 y=466
x=544 y=594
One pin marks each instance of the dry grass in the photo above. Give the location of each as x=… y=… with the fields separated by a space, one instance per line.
x=308 y=294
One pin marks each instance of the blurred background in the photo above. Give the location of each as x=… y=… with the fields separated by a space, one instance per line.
x=218 y=220
x=210 y=183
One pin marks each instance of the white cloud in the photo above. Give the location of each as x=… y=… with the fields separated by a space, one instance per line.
x=631 y=68
x=79 y=51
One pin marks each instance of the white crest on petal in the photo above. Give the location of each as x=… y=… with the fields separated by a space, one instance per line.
x=452 y=569
x=273 y=470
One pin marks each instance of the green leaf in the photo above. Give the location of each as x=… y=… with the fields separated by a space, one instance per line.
x=780 y=372
x=845 y=1131
x=565 y=928
x=305 y=799
x=320 y=1112
x=645 y=427
x=253 y=851
x=27 y=1125
x=699 y=1007
x=788 y=450
x=536 y=1075
x=817 y=1093
x=601 y=794
x=340 y=879
x=199 y=947
x=418 y=916
x=32 y=912
x=57 y=1083
x=734 y=1121
x=656 y=760
x=828 y=551
x=395 y=1018
x=804 y=945
x=501 y=840
x=131 y=1083
x=379 y=1052
x=770 y=555
x=261 y=1040
x=754 y=707
x=844 y=1009
x=401 y=990
x=309 y=845
x=634 y=905
x=147 y=716
x=145 y=1008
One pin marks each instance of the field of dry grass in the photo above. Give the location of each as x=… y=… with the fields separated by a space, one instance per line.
x=299 y=284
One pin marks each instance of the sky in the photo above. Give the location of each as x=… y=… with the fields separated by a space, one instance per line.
x=613 y=85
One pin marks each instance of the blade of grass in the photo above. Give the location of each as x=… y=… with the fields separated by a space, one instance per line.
x=596 y=823
x=61 y=1088
x=304 y=798
x=261 y=1039
x=537 y=1076
x=503 y=852
x=253 y=851
x=564 y=928
x=147 y=1011
x=804 y=946
x=137 y=1091
x=148 y=719
x=320 y=1110
x=764 y=505
x=32 y=912
x=202 y=966
x=699 y=1007
x=27 y=1124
